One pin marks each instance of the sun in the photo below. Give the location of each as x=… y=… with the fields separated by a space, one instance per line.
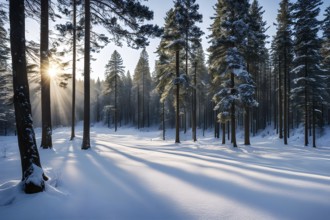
x=52 y=72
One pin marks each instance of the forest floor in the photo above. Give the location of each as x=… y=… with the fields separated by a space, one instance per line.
x=133 y=174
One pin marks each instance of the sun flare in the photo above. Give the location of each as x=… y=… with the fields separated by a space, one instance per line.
x=52 y=72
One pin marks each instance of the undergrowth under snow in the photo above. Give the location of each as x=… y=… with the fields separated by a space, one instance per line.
x=133 y=174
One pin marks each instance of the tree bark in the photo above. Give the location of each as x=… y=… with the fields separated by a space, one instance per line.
x=46 y=139
x=280 y=100
x=247 y=121
x=233 y=116
x=285 y=100
x=306 y=106
x=223 y=127
x=143 y=114
x=138 y=106
x=163 y=119
x=313 y=124
x=177 y=116
x=194 y=113
x=73 y=107
x=30 y=160
x=247 y=126
x=86 y=133
x=116 y=94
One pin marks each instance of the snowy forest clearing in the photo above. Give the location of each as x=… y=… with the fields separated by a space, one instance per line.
x=133 y=174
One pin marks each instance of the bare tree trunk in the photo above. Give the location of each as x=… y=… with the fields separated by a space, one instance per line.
x=275 y=106
x=285 y=100
x=116 y=113
x=32 y=174
x=143 y=113
x=223 y=133
x=138 y=106
x=194 y=113
x=73 y=108
x=163 y=119
x=177 y=116
x=313 y=124
x=233 y=116
x=46 y=139
x=306 y=106
x=280 y=100
x=86 y=133
x=247 y=126
x=247 y=121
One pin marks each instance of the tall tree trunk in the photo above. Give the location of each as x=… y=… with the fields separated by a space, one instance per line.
x=86 y=133
x=285 y=100
x=46 y=139
x=223 y=133
x=138 y=106
x=280 y=100
x=247 y=121
x=233 y=117
x=275 y=101
x=148 y=111
x=247 y=126
x=216 y=125
x=290 y=114
x=73 y=107
x=143 y=114
x=306 y=106
x=32 y=178
x=116 y=116
x=177 y=116
x=194 y=113
x=313 y=124
x=163 y=119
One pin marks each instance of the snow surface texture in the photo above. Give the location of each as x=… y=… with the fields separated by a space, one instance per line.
x=133 y=174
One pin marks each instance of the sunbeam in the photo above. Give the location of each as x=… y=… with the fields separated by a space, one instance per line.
x=52 y=71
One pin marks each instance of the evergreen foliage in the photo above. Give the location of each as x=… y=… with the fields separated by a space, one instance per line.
x=114 y=74
x=325 y=51
x=283 y=56
x=227 y=63
x=142 y=85
x=6 y=92
x=309 y=91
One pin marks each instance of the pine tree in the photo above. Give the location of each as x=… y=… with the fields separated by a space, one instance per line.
x=326 y=40
x=46 y=138
x=309 y=92
x=171 y=44
x=6 y=92
x=74 y=61
x=325 y=51
x=32 y=174
x=255 y=56
x=201 y=82
x=226 y=60
x=283 y=46
x=98 y=89
x=76 y=33
x=165 y=65
x=4 y=49
x=114 y=73
x=187 y=16
x=87 y=49
x=111 y=16
x=127 y=98
x=142 y=81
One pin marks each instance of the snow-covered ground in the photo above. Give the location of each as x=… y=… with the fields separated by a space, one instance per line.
x=133 y=174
